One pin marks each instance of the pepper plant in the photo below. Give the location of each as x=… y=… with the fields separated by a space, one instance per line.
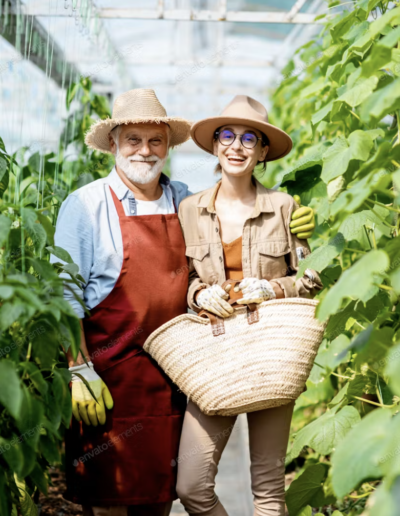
x=340 y=101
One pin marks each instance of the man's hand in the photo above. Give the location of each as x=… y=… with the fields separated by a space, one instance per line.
x=84 y=407
x=255 y=290
x=303 y=221
x=213 y=299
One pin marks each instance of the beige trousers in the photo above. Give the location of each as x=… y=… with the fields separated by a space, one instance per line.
x=202 y=443
x=157 y=509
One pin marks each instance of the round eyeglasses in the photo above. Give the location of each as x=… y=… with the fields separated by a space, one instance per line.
x=227 y=137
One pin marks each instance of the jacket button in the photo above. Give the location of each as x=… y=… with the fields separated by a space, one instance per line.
x=220 y=258
x=216 y=230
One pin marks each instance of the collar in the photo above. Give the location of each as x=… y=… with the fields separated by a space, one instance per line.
x=120 y=188
x=263 y=200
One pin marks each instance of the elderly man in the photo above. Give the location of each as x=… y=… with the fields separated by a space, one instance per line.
x=123 y=232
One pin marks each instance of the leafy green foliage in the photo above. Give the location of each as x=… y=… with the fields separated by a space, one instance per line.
x=340 y=102
x=37 y=325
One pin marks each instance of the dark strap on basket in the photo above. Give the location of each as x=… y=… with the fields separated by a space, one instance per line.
x=217 y=323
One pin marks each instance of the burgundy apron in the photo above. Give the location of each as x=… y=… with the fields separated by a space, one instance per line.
x=131 y=459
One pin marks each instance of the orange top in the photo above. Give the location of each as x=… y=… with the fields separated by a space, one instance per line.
x=233 y=259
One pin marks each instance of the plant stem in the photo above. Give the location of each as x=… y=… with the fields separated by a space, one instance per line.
x=361 y=496
x=373 y=402
x=385 y=287
x=380 y=217
x=383 y=205
x=355 y=250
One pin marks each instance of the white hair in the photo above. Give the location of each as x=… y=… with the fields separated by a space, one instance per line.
x=115 y=133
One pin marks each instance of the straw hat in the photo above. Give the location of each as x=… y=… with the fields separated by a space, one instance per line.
x=245 y=111
x=134 y=107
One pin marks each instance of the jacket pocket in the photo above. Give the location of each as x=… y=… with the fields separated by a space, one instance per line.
x=273 y=259
x=198 y=252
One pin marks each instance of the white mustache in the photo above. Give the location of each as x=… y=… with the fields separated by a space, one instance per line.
x=143 y=159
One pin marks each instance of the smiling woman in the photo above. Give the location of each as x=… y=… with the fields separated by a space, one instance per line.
x=239 y=229
x=228 y=137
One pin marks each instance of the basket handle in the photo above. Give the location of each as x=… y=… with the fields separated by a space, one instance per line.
x=217 y=323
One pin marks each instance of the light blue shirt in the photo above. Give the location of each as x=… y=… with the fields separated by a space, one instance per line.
x=88 y=228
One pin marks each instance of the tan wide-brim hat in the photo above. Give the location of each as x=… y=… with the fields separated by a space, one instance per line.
x=134 y=107
x=243 y=110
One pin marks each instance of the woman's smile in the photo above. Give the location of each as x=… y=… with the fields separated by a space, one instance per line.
x=236 y=160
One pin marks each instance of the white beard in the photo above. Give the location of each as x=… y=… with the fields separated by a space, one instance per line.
x=140 y=171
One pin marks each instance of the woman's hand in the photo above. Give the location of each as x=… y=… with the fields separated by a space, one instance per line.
x=303 y=221
x=255 y=291
x=213 y=299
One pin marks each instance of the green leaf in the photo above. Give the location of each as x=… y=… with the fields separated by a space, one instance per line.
x=373 y=351
x=352 y=198
x=71 y=92
x=34 y=229
x=6 y=292
x=39 y=478
x=337 y=158
x=5 y=226
x=331 y=356
x=60 y=253
x=36 y=377
x=317 y=392
x=379 y=56
x=11 y=395
x=49 y=450
x=19 y=455
x=360 y=91
x=4 y=176
x=322 y=114
x=325 y=433
x=304 y=163
x=391 y=17
x=358 y=282
x=392 y=367
x=306 y=511
x=323 y=256
x=384 y=101
x=352 y=228
x=48 y=227
x=304 y=488
x=28 y=507
x=357 y=457
x=30 y=418
x=45 y=342
x=385 y=501
x=5 y=503
x=338 y=322
x=62 y=396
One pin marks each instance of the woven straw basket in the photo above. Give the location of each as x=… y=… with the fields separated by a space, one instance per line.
x=260 y=357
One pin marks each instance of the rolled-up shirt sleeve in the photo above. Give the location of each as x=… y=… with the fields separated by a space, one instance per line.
x=309 y=284
x=74 y=233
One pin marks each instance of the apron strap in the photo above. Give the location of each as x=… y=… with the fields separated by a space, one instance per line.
x=118 y=204
x=120 y=208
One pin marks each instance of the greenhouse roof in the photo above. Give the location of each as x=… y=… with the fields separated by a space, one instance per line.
x=196 y=54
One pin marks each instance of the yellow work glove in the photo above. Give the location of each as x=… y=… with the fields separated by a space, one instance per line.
x=84 y=407
x=303 y=221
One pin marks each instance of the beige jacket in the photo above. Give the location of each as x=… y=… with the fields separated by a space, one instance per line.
x=270 y=250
